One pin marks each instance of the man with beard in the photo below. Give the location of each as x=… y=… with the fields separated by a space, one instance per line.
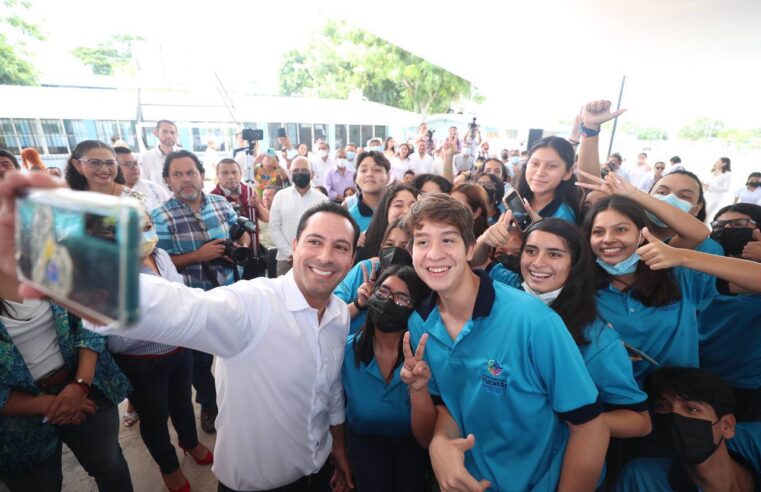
x=152 y=161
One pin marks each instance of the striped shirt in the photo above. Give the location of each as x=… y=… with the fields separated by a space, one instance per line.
x=130 y=346
x=181 y=230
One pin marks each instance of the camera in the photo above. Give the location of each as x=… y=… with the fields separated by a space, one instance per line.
x=430 y=133
x=473 y=125
x=251 y=135
x=239 y=254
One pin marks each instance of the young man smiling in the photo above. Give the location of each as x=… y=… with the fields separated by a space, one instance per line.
x=505 y=372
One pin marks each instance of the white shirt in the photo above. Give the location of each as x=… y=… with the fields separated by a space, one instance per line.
x=152 y=165
x=638 y=173
x=155 y=194
x=32 y=328
x=287 y=208
x=743 y=195
x=399 y=167
x=278 y=374
x=421 y=165
x=321 y=168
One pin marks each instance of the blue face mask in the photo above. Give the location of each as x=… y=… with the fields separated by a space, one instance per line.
x=350 y=155
x=625 y=266
x=515 y=160
x=672 y=200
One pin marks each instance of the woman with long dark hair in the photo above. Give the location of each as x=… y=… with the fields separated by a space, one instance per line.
x=557 y=267
x=396 y=201
x=474 y=197
x=383 y=451
x=92 y=166
x=495 y=192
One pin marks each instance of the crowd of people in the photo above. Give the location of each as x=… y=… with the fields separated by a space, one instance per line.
x=416 y=335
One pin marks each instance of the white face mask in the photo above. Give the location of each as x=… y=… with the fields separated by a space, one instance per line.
x=323 y=153
x=546 y=297
x=341 y=163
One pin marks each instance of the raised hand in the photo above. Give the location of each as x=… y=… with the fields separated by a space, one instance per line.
x=368 y=284
x=575 y=137
x=752 y=250
x=448 y=150
x=501 y=232
x=657 y=254
x=415 y=372
x=595 y=113
x=448 y=460
x=613 y=184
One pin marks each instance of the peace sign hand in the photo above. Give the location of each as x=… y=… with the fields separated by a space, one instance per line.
x=415 y=372
x=368 y=284
x=595 y=113
x=613 y=184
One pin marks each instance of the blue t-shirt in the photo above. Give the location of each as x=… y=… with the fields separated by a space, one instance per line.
x=666 y=334
x=347 y=290
x=374 y=408
x=652 y=474
x=362 y=214
x=605 y=357
x=512 y=378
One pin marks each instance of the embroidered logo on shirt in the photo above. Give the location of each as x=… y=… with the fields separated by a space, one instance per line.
x=491 y=382
x=494 y=368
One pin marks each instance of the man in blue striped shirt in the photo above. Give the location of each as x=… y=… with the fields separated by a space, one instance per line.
x=192 y=227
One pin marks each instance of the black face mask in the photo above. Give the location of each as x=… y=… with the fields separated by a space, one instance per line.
x=491 y=192
x=301 y=180
x=385 y=315
x=511 y=262
x=663 y=443
x=732 y=240
x=394 y=256
x=693 y=439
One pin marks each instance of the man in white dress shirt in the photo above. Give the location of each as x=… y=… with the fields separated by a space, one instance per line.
x=155 y=195
x=420 y=161
x=280 y=344
x=322 y=163
x=152 y=161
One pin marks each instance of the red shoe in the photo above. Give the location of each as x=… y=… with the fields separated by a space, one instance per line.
x=206 y=460
x=185 y=487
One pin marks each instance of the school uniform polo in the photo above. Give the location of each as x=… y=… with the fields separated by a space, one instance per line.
x=666 y=335
x=605 y=356
x=373 y=407
x=347 y=291
x=362 y=214
x=656 y=475
x=558 y=210
x=512 y=378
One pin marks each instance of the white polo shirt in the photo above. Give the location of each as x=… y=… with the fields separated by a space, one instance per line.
x=421 y=165
x=287 y=208
x=152 y=165
x=278 y=374
x=321 y=168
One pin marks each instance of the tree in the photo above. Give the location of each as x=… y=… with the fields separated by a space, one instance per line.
x=107 y=57
x=15 y=69
x=344 y=59
x=701 y=128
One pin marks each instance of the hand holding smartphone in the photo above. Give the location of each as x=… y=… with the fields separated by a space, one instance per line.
x=521 y=215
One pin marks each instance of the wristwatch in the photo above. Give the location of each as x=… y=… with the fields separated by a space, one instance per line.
x=82 y=384
x=588 y=132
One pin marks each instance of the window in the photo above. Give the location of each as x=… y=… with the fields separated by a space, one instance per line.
x=354 y=135
x=29 y=134
x=341 y=136
x=291 y=129
x=128 y=134
x=8 y=136
x=76 y=131
x=273 y=129
x=367 y=134
x=380 y=132
x=305 y=135
x=107 y=129
x=55 y=137
x=321 y=131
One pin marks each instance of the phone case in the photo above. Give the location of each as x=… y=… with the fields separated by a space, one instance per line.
x=83 y=250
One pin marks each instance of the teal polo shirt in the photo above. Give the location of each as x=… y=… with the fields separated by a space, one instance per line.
x=374 y=408
x=666 y=334
x=512 y=378
x=655 y=474
x=605 y=356
x=558 y=210
x=362 y=214
x=347 y=291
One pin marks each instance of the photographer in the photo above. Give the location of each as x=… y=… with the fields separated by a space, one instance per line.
x=240 y=196
x=193 y=228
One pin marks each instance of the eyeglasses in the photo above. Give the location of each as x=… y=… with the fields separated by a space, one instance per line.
x=129 y=164
x=97 y=163
x=735 y=223
x=401 y=300
x=201 y=223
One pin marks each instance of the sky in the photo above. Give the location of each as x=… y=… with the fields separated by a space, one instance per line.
x=535 y=62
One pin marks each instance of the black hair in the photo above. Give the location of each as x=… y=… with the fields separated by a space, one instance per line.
x=227 y=160
x=749 y=209
x=74 y=178
x=654 y=288
x=409 y=171
x=379 y=222
x=122 y=150
x=499 y=187
x=693 y=384
x=576 y=303
x=727 y=164
x=178 y=154
x=754 y=174
x=9 y=155
x=567 y=191
x=385 y=143
x=330 y=208
x=617 y=156
x=643 y=153
x=675 y=160
x=505 y=174
x=363 y=340
x=701 y=216
x=379 y=159
x=422 y=179
x=168 y=122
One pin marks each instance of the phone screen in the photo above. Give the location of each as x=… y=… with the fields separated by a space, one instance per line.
x=81 y=250
x=520 y=215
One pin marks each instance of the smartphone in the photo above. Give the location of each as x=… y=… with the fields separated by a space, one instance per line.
x=83 y=250
x=520 y=215
x=280 y=132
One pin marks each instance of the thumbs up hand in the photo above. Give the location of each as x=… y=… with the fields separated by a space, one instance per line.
x=659 y=255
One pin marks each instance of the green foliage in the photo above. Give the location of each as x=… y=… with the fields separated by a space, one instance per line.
x=344 y=59
x=644 y=133
x=107 y=57
x=701 y=128
x=15 y=69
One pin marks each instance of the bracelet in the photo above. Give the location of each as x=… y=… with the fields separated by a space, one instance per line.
x=573 y=142
x=82 y=384
x=356 y=305
x=588 y=132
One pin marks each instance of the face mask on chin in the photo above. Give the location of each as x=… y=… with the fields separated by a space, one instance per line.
x=545 y=297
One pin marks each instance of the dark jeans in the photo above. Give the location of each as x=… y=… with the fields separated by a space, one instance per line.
x=162 y=390
x=203 y=381
x=317 y=482
x=379 y=464
x=95 y=443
